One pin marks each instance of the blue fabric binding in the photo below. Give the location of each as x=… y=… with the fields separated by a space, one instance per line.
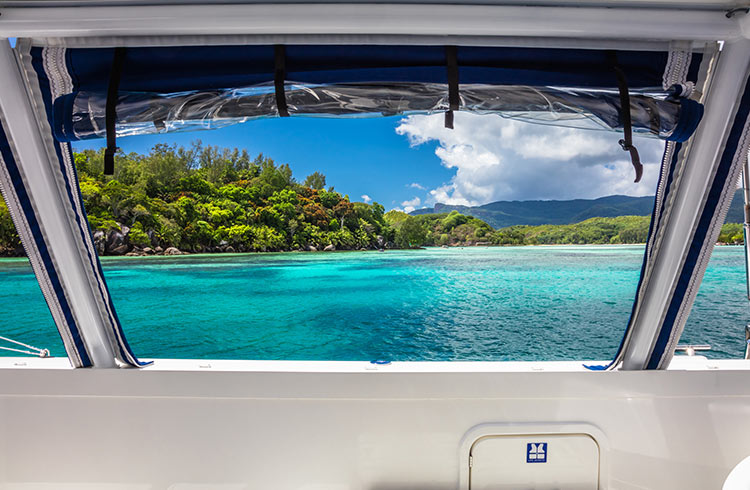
x=707 y=216
x=177 y=69
x=73 y=192
x=691 y=113
x=49 y=268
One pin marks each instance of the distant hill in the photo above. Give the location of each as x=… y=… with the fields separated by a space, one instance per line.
x=508 y=213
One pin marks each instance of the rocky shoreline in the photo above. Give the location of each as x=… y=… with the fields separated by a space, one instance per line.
x=115 y=243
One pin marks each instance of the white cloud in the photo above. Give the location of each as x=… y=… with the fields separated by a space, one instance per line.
x=411 y=204
x=417 y=185
x=503 y=159
x=366 y=198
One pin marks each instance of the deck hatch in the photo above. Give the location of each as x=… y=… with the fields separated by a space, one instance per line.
x=534 y=461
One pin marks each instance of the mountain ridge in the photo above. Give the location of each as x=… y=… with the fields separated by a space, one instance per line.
x=500 y=214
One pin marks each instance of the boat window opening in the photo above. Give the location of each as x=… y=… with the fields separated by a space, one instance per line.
x=411 y=226
x=320 y=256
x=224 y=253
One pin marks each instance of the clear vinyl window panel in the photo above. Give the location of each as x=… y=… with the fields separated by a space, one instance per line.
x=82 y=115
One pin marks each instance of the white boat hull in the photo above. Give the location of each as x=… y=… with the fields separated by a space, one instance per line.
x=190 y=425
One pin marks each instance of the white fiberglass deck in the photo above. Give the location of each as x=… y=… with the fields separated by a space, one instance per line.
x=184 y=424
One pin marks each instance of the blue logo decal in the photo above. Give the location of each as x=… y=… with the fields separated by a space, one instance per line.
x=536 y=452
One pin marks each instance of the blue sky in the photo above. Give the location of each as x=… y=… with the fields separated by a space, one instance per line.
x=413 y=162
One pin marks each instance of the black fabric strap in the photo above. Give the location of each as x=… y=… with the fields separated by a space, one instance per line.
x=627 y=125
x=111 y=110
x=279 y=79
x=451 y=63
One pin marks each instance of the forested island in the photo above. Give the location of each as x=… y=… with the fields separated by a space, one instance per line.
x=206 y=199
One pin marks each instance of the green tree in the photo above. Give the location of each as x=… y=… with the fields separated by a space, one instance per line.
x=410 y=233
x=732 y=233
x=315 y=180
x=9 y=240
x=138 y=237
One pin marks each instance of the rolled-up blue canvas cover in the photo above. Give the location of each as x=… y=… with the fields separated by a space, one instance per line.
x=187 y=88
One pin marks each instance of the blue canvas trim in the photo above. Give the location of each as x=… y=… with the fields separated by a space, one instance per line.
x=126 y=352
x=652 y=227
x=658 y=211
x=49 y=269
x=73 y=192
x=704 y=225
x=695 y=65
x=691 y=113
x=62 y=126
x=181 y=68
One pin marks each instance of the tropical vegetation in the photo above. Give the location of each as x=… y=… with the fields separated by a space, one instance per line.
x=622 y=229
x=210 y=199
x=732 y=234
x=207 y=199
x=619 y=230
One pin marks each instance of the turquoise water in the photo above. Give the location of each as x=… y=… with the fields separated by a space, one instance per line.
x=510 y=303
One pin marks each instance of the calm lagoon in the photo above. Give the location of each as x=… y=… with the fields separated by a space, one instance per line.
x=474 y=303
